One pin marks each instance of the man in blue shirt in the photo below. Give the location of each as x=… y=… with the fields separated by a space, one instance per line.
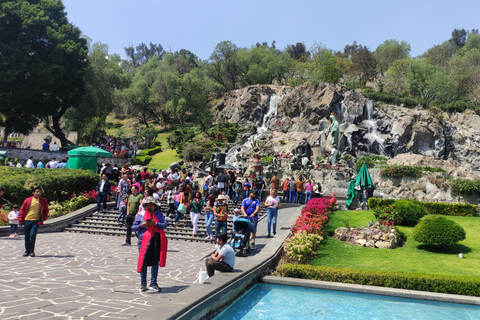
x=46 y=145
x=250 y=208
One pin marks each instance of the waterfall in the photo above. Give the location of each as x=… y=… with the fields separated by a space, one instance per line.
x=372 y=128
x=231 y=157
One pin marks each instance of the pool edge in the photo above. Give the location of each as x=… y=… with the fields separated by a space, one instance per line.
x=358 y=288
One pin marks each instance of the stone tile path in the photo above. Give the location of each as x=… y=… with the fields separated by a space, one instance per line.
x=84 y=276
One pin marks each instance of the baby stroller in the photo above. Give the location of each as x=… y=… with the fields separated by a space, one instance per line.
x=240 y=240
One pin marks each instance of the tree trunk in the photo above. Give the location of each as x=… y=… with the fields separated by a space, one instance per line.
x=57 y=130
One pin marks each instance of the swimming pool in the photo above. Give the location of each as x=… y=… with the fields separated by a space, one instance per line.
x=271 y=301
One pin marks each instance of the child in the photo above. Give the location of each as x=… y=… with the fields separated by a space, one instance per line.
x=13 y=217
x=196 y=208
x=123 y=207
x=236 y=214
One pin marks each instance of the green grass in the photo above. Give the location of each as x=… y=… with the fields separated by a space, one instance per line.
x=162 y=159
x=414 y=256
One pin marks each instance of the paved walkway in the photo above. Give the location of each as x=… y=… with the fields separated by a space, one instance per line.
x=77 y=276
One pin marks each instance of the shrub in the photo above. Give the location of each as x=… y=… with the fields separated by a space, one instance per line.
x=302 y=246
x=400 y=171
x=154 y=151
x=314 y=215
x=370 y=161
x=409 y=212
x=450 y=209
x=404 y=280
x=466 y=188
x=438 y=231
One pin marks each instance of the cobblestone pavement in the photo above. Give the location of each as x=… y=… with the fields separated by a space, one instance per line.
x=84 y=276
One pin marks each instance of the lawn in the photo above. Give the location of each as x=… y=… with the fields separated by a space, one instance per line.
x=413 y=257
x=163 y=159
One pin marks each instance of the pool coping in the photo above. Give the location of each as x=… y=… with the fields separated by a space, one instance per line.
x=358 y=288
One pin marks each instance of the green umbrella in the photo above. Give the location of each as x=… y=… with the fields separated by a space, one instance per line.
x=362 y=181
x=85 y=158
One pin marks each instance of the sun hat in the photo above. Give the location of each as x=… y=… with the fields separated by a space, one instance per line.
x=222 y=197
x=150 y=200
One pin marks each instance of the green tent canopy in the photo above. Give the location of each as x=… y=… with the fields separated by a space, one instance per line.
x=85 y=158
x=362 y=181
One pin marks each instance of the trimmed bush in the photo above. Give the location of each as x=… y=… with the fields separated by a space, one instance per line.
x=438 y=231
x=448 y=209
x=154 y=151
x=409 y=212
x=55 y=183
x=404 y=280
x=302 y=247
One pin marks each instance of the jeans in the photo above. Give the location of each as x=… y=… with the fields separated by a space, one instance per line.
x=299 y=196
x=293 y=196
x=13 y=228
x=101 y=198
x=245 y=194
x=272 y=217
x=260 y=195
x=123 y=213
x=308 y=196
x=285 y=196
x=171 y=210
x=129 y=220
x=118 y=199
x=220 y=225
x=178 y=214
x=208 y=222
x=143 y=274
x=235 y=198
x=31 y=228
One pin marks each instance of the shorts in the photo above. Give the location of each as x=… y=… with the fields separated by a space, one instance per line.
x=254 y=224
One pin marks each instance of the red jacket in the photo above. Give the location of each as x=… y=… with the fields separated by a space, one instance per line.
x=26 y=205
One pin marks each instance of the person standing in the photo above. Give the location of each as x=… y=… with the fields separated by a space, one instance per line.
x=250 y=208
x=103 y=189
x=300 y=182
x=260 y=187
x=13 y=221
x=195 y=210
x=246 y=188
x=274 y=182
x=30 y=163
x=292 y=186
x=308 y=191
x=152 y=243
x=134 y=201
x=220 y=211
x=272 y=203
x=209 y=207
x=33 y=212
x=285 y=190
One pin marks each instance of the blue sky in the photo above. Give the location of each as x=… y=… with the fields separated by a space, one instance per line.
x=199 y=25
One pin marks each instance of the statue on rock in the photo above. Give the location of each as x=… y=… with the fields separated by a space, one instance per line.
x=332 y=134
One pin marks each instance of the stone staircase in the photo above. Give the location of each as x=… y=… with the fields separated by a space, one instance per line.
x=106 y=223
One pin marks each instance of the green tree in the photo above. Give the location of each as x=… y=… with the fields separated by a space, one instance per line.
x=363 y=64
x=142 y=53
x=298 y=51
x=42 y=67
x=104 y=78
x=390 y=51
x=327 y=67
x=224 y=66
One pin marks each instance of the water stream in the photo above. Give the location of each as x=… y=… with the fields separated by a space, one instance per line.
x=372 y=127
x=231 y=157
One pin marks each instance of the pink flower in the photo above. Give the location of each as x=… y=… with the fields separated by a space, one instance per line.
x=261 y=147
x=278 y=122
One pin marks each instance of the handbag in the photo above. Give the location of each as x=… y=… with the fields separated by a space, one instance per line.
x=181 y=207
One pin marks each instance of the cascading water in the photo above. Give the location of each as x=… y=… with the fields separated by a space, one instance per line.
x=231 y=157
x=372 y=128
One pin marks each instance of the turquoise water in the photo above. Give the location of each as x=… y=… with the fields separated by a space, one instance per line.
x=267 y=301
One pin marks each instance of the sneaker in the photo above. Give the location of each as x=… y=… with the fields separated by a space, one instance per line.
x=26 y=254
x=126 y=244
x=274 y=233
x=32 y=254
x=11 y=236
x=144 y=287
x=154 y=287
x=15 y=235
x=269 y=236
x=96 y=212
x=253 y=245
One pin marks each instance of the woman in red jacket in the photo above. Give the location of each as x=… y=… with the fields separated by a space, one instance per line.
x=33 y=212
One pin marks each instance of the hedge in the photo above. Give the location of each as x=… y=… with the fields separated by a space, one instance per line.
x=55 y=183
x=403 y=280
x=466 y=188
x=154 y=151
x=448 y=209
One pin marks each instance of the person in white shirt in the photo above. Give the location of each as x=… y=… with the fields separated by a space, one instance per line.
x=272 y=203
x=55 y=146
x=30 y=163
x=13 y=220
x=223 y=259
